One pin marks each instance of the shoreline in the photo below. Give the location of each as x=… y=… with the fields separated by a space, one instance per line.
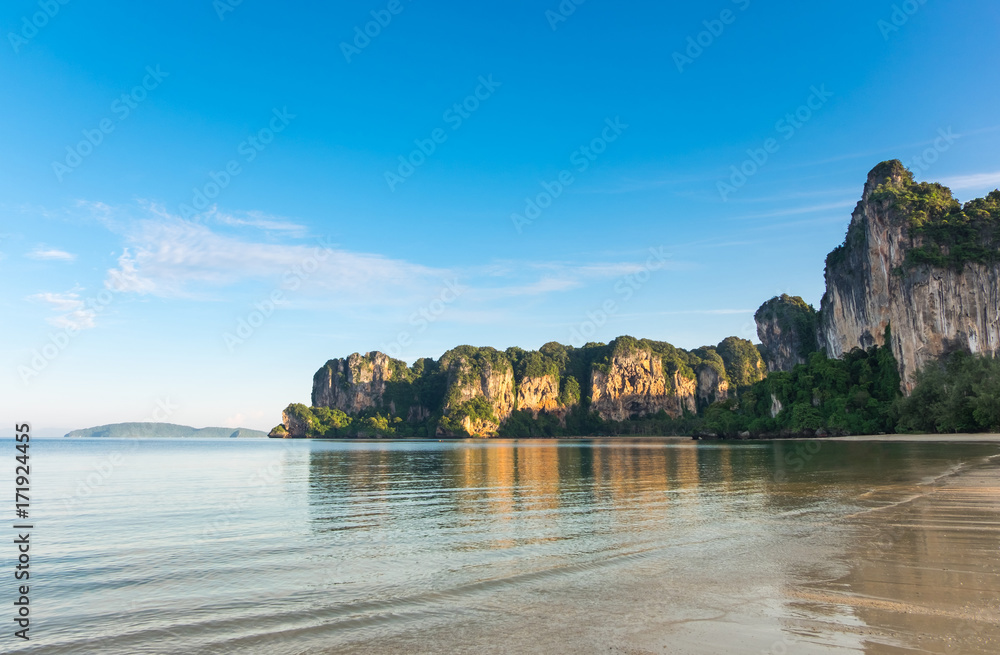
x=902 y=438
x=924 y=571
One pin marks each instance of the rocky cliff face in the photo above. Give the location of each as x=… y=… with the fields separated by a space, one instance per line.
x=635 y=384
x=476 y=391
x=478 y=374
x=539 y=394
x=712 y=385
x=368 y=382
x=353 y=384
x=872 y=284
x=787 y=328
x=293 y=426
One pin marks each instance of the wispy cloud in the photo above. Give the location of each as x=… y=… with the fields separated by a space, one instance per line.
x=894 y=150
x=50 y=254
x=170 y=257
x=258 y=220
x=975 y=181
x=706 y=312
x=178 y=258
x=71 y=311
x=556 y=276
x=794 y=211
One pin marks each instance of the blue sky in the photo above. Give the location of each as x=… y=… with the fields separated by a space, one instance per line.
x=201 y=203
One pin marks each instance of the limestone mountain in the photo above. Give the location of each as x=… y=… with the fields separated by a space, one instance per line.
x=486 y=392
x=914 y=260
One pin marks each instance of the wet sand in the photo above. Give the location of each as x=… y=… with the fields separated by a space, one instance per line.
x=925 y=574
x=934 y=438
x=920 y=574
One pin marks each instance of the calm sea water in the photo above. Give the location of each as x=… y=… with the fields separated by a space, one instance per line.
x=499 y=546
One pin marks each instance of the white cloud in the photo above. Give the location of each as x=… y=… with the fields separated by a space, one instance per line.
x=258 y=220
x=809 y=209
x=976 y=181
x=540 y=278
x=51 y=254
x=71 y=310
x=178 y=258
x=170 y=257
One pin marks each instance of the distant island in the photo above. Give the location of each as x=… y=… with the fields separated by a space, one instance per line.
x=905 y=340
x=163 y=431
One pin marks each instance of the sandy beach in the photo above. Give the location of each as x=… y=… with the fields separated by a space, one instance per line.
x=925 y=573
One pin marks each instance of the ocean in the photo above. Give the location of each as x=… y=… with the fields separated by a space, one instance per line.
x=576 y=546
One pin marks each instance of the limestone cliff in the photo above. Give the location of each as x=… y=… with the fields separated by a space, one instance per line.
x=634 y=384
x=480 y=391
x=354 y=384
x=787 y=328
x=293 y=426
x=540 y=394
x=915 y=261
x=712 y=385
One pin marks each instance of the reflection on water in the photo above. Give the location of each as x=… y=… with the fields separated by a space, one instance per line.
x=516 y=546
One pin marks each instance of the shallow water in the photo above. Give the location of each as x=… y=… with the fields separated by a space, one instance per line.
x=498 y=546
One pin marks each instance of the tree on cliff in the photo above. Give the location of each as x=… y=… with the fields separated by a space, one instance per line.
x=743 y=362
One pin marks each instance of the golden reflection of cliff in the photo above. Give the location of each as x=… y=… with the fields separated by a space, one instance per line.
x=622 y=472
x=687 y=476
x=504 y=482
x=488 y=476
x=538 y=475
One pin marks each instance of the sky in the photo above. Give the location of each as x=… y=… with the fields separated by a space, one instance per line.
x=202 y=202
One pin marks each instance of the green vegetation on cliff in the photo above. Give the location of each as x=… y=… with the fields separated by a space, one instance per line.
x=435 y=397
x=945 y=233
x=793 y=315
x=742 y=362
x=420 y=385
x=326 y=423
x=857 y=394
x=853 y=395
